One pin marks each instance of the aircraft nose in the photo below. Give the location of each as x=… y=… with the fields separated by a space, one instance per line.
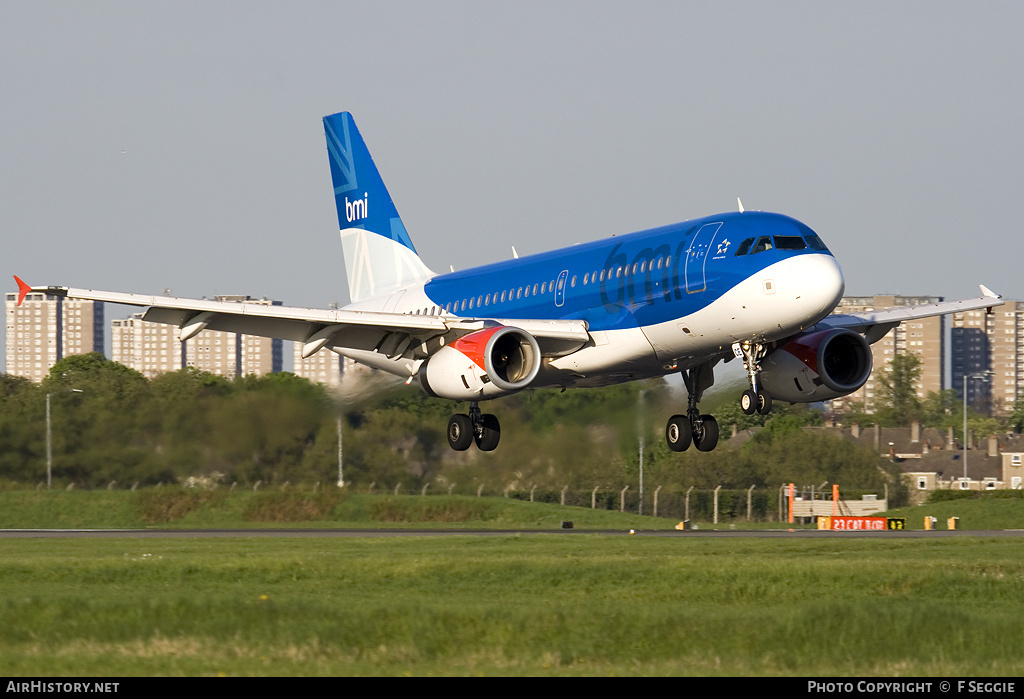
x=821 y=283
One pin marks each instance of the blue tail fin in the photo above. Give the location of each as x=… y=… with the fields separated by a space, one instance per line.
x=379 y=255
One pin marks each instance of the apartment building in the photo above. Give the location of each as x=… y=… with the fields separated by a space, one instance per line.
x=44 y=330
x=232 y=354
x=154 y=348
x=988 y=349
x=324 y=366
x=923 y=337
x=149 y=348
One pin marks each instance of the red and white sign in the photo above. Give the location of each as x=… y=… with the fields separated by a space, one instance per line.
x=859 y=524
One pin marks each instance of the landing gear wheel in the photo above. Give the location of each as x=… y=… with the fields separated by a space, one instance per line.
x=460 y=432
x=489 y=434
x=749 y=402
x=705 y=437
x=755 y=399
x=678 y=433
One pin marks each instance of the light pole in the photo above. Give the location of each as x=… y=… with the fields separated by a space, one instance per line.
x=979 y=375
x=49 y=438
x=640 y=431
x=341 y=478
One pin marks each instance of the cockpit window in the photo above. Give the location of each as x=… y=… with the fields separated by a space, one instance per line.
x=763 y=243
x=744 y=246
x=789 y=242
x=814 y=242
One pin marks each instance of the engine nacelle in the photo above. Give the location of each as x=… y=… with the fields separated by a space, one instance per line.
x=817 y=366
x=485 y=364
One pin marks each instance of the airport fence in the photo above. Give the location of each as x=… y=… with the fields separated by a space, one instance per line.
x=694 y=505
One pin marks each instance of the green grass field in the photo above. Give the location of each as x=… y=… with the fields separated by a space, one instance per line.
x=505 y=604
x=586 y=604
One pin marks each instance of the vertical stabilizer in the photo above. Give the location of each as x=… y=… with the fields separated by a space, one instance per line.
x=379 y=255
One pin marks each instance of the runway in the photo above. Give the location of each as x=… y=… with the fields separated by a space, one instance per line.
x=371 y=533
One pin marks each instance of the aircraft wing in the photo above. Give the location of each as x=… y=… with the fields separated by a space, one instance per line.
x=875 y=324
x=388 y=341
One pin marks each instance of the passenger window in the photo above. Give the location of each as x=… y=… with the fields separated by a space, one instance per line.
x=789 y=242
x=763 y=243
x=744 y=247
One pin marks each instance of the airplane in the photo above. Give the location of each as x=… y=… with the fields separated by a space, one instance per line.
x=754 y=286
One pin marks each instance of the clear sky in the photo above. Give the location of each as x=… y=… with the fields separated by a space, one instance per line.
x=148 y=146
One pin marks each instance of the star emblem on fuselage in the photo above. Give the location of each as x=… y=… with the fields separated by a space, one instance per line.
x=723 y=246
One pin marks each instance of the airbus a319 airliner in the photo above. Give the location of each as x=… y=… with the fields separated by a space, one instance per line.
x=752 y=286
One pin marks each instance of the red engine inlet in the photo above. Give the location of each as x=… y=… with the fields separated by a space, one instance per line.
x=485 y=364
x=817 y=366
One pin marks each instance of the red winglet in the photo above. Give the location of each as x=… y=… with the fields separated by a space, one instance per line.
x=23 y=289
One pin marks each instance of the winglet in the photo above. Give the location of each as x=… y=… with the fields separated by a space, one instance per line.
x=985 y=291
x=23 y=289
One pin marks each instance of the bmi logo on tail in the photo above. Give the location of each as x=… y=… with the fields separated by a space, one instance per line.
x=358 y=209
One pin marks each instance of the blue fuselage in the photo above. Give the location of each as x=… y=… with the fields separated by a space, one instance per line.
x=640 y=279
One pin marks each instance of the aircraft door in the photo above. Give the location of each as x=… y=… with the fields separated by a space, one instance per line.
x=560 y=287
x=697 y=255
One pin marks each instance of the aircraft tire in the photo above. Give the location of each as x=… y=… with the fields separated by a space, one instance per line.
x=748 y=402
x=488 y=439
x=764 y=402
x=460 y=432
x=678 y=433
x=709 y=439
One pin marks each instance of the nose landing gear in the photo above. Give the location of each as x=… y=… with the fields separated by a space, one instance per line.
x=755 y=399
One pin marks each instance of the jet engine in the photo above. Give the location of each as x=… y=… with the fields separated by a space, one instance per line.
x=484 y=364
x=817 y=366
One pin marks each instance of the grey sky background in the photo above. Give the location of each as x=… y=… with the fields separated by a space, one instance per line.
x=148 y=146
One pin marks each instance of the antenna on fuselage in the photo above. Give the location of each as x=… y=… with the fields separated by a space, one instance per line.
x=514 y=253
x=740 y=204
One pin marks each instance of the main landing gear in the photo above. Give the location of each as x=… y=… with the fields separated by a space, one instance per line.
x=694 y=428
x=481 y=428
x=756 y=398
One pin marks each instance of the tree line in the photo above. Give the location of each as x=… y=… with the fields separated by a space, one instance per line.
x=112 y=426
